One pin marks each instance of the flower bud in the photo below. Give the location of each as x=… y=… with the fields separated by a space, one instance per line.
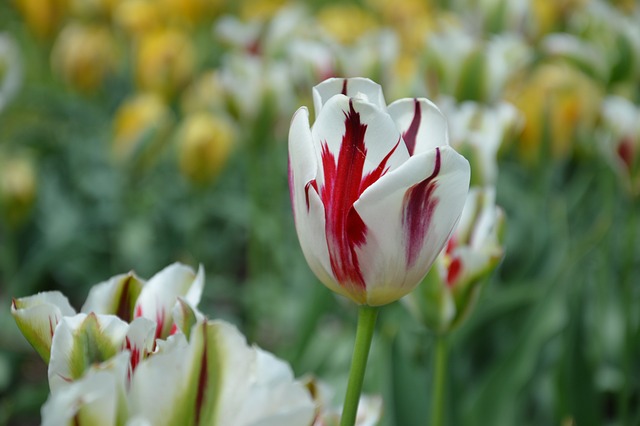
x=84 y=55
x=165 y=61
x=17 y=188
x=205 y=142
x=140 y=127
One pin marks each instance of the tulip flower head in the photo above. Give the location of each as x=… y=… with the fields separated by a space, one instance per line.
x=376 y=190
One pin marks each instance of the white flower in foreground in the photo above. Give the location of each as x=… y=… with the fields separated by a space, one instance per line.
x=215 y=378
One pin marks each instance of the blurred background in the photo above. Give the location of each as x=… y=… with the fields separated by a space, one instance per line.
x=136 y=133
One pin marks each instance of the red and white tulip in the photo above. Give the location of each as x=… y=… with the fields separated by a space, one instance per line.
x=376 y=190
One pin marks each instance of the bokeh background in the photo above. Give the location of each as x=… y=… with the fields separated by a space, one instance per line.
x=136 y=133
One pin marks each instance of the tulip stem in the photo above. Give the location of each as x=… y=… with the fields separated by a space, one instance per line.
x=366 y=323
x=439 y=381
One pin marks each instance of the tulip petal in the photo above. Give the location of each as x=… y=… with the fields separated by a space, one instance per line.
x=139 y=342
x=94 y=399
x=350 y=87
x=37 y=317
x=216 y=378
x=422 y=124
x=308 y=210
x=116 y=296
x=185 y=316
x=410 y=213
x=354 y=154
x=81 y=341
x=159 y=294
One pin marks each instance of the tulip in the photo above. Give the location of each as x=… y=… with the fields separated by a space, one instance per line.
x=104 y=370
x=205 y=143
x=559 y=104
x=84 y=55
x=38 y=316
x=140 y=126
x=165 y=61
x=18 y=188
x=375 y=192
x=216 y=378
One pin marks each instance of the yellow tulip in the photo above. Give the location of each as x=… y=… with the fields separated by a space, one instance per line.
x=205 y=92
x=346 y=22
x=17 y=188
x=42 y=16
x=137 y=17
x=205 y=142
x=83 y=55
x=558 y=102
x=140 y=125
x=165 y=61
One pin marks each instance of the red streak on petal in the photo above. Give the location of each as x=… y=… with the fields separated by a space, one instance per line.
x=134 y=358
x=343 y=184
x=311 y=184
x=419 y=205
x=455 y=268
x=124 y=304
x=174 y=329
x=138 y=311
x=344 y=87
x=625 y=152
x=52 y=327
x=203 y=377
x=412 y=132
x=451 y=245
x=160 y=322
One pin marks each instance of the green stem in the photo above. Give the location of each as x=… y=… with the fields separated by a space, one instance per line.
x=366 y=323
x=439 y=381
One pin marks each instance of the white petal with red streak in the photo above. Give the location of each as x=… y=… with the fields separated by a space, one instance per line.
x=37 y=317
x=310 y=222
x=355 y=86
x=383 y=257
x=159 y=295
x=380 y=138
x=432 y=129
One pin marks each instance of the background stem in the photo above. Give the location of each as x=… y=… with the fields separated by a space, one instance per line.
x=439 y=382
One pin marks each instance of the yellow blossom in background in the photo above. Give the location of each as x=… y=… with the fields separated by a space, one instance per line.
x=42 y=16
x=205 y=93
x=90 y=9
x=204 y=143
x=412 y=19
x=83 y=55
x=346 y=22
x=558 y=102
x=550 y=16
x=260 y=9
x=137 y=17
x=190 y=12
x=165 y=61
x=140 y=124
x=17 y=188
